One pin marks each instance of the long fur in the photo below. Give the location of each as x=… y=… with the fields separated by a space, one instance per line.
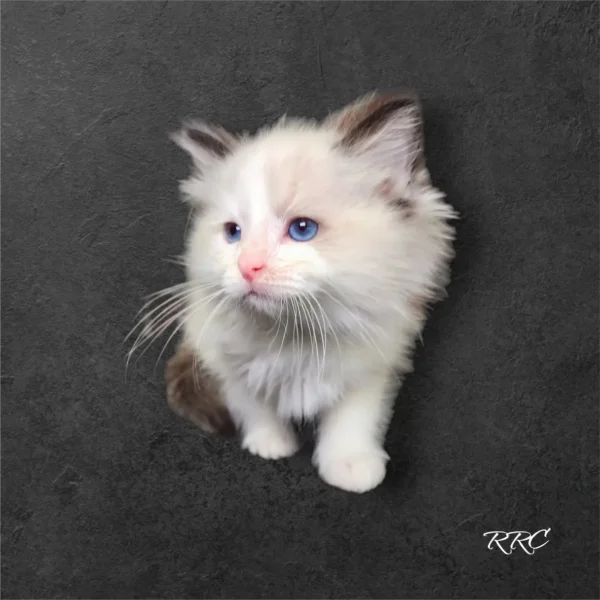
x=334 y=331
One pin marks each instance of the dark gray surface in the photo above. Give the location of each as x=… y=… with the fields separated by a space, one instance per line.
x=105 y=493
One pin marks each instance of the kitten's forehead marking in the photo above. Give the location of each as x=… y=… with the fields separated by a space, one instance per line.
x=269 y=180
x=254 y=189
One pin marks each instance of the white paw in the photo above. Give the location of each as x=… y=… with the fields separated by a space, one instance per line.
x=354 y=472
x=271 y=442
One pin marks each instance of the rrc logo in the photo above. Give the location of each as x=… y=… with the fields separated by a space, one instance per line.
x=508 y=541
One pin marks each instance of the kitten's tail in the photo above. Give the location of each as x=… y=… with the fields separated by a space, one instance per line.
x=194 y=395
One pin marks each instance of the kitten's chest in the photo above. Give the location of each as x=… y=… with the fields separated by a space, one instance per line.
x=297 y=383
x=300 y=376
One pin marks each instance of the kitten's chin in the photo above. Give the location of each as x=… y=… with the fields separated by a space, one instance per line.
x=261 y=302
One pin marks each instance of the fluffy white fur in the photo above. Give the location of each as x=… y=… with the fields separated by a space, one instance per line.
x=333 y=327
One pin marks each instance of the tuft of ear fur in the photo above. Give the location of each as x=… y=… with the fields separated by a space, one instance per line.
x=387 y=129
x=205 y=143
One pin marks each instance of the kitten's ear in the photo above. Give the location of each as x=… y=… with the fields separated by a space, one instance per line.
x=205 y=143
x=386 y=129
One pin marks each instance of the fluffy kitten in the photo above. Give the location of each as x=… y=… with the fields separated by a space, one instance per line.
x=314 y=250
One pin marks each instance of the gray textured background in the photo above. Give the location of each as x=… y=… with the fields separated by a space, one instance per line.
x=105 y=493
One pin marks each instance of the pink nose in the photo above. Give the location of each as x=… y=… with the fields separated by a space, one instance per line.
x=251 y=266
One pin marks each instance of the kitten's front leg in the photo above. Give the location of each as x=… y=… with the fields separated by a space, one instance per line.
x=349 y=452
x=264 y=433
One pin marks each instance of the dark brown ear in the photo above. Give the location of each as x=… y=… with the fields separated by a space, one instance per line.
x=385 y=128
x=204 y=143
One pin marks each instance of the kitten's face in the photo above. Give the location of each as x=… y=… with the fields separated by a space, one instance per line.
x=296 y=212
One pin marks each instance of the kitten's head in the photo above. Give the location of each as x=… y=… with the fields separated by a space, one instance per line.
x=341 y=209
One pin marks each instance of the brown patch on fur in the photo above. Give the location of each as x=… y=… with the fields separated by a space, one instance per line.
x=375 y=119
x=194 y=395
x=365 y=117
x=211 y=143
x=420 y=164
x=355 y=113
x=419 y=306
x=408 y=209
x=386 y=190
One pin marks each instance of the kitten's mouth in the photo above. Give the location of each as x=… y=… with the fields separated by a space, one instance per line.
x=259 y=300
x=257 y=292
x=253 y=294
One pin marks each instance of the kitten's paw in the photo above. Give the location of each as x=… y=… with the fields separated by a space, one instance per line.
x=354 y=472
x=271 y=442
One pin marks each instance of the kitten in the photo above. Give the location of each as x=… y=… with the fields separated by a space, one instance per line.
x=314 y=251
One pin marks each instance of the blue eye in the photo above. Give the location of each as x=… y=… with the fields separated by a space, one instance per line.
x=233 y=232
x=302 y=229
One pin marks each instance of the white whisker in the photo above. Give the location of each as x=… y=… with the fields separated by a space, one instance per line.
x=160 y=323
x=365 y=334
x=274 y=338
x=312 y=332
x=184 y=320
x=284 y=331
x=210 y=317
x=170 y=304
x=305 y=322
x=322 y=330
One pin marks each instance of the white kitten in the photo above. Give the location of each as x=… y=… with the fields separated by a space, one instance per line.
x=314 y=251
